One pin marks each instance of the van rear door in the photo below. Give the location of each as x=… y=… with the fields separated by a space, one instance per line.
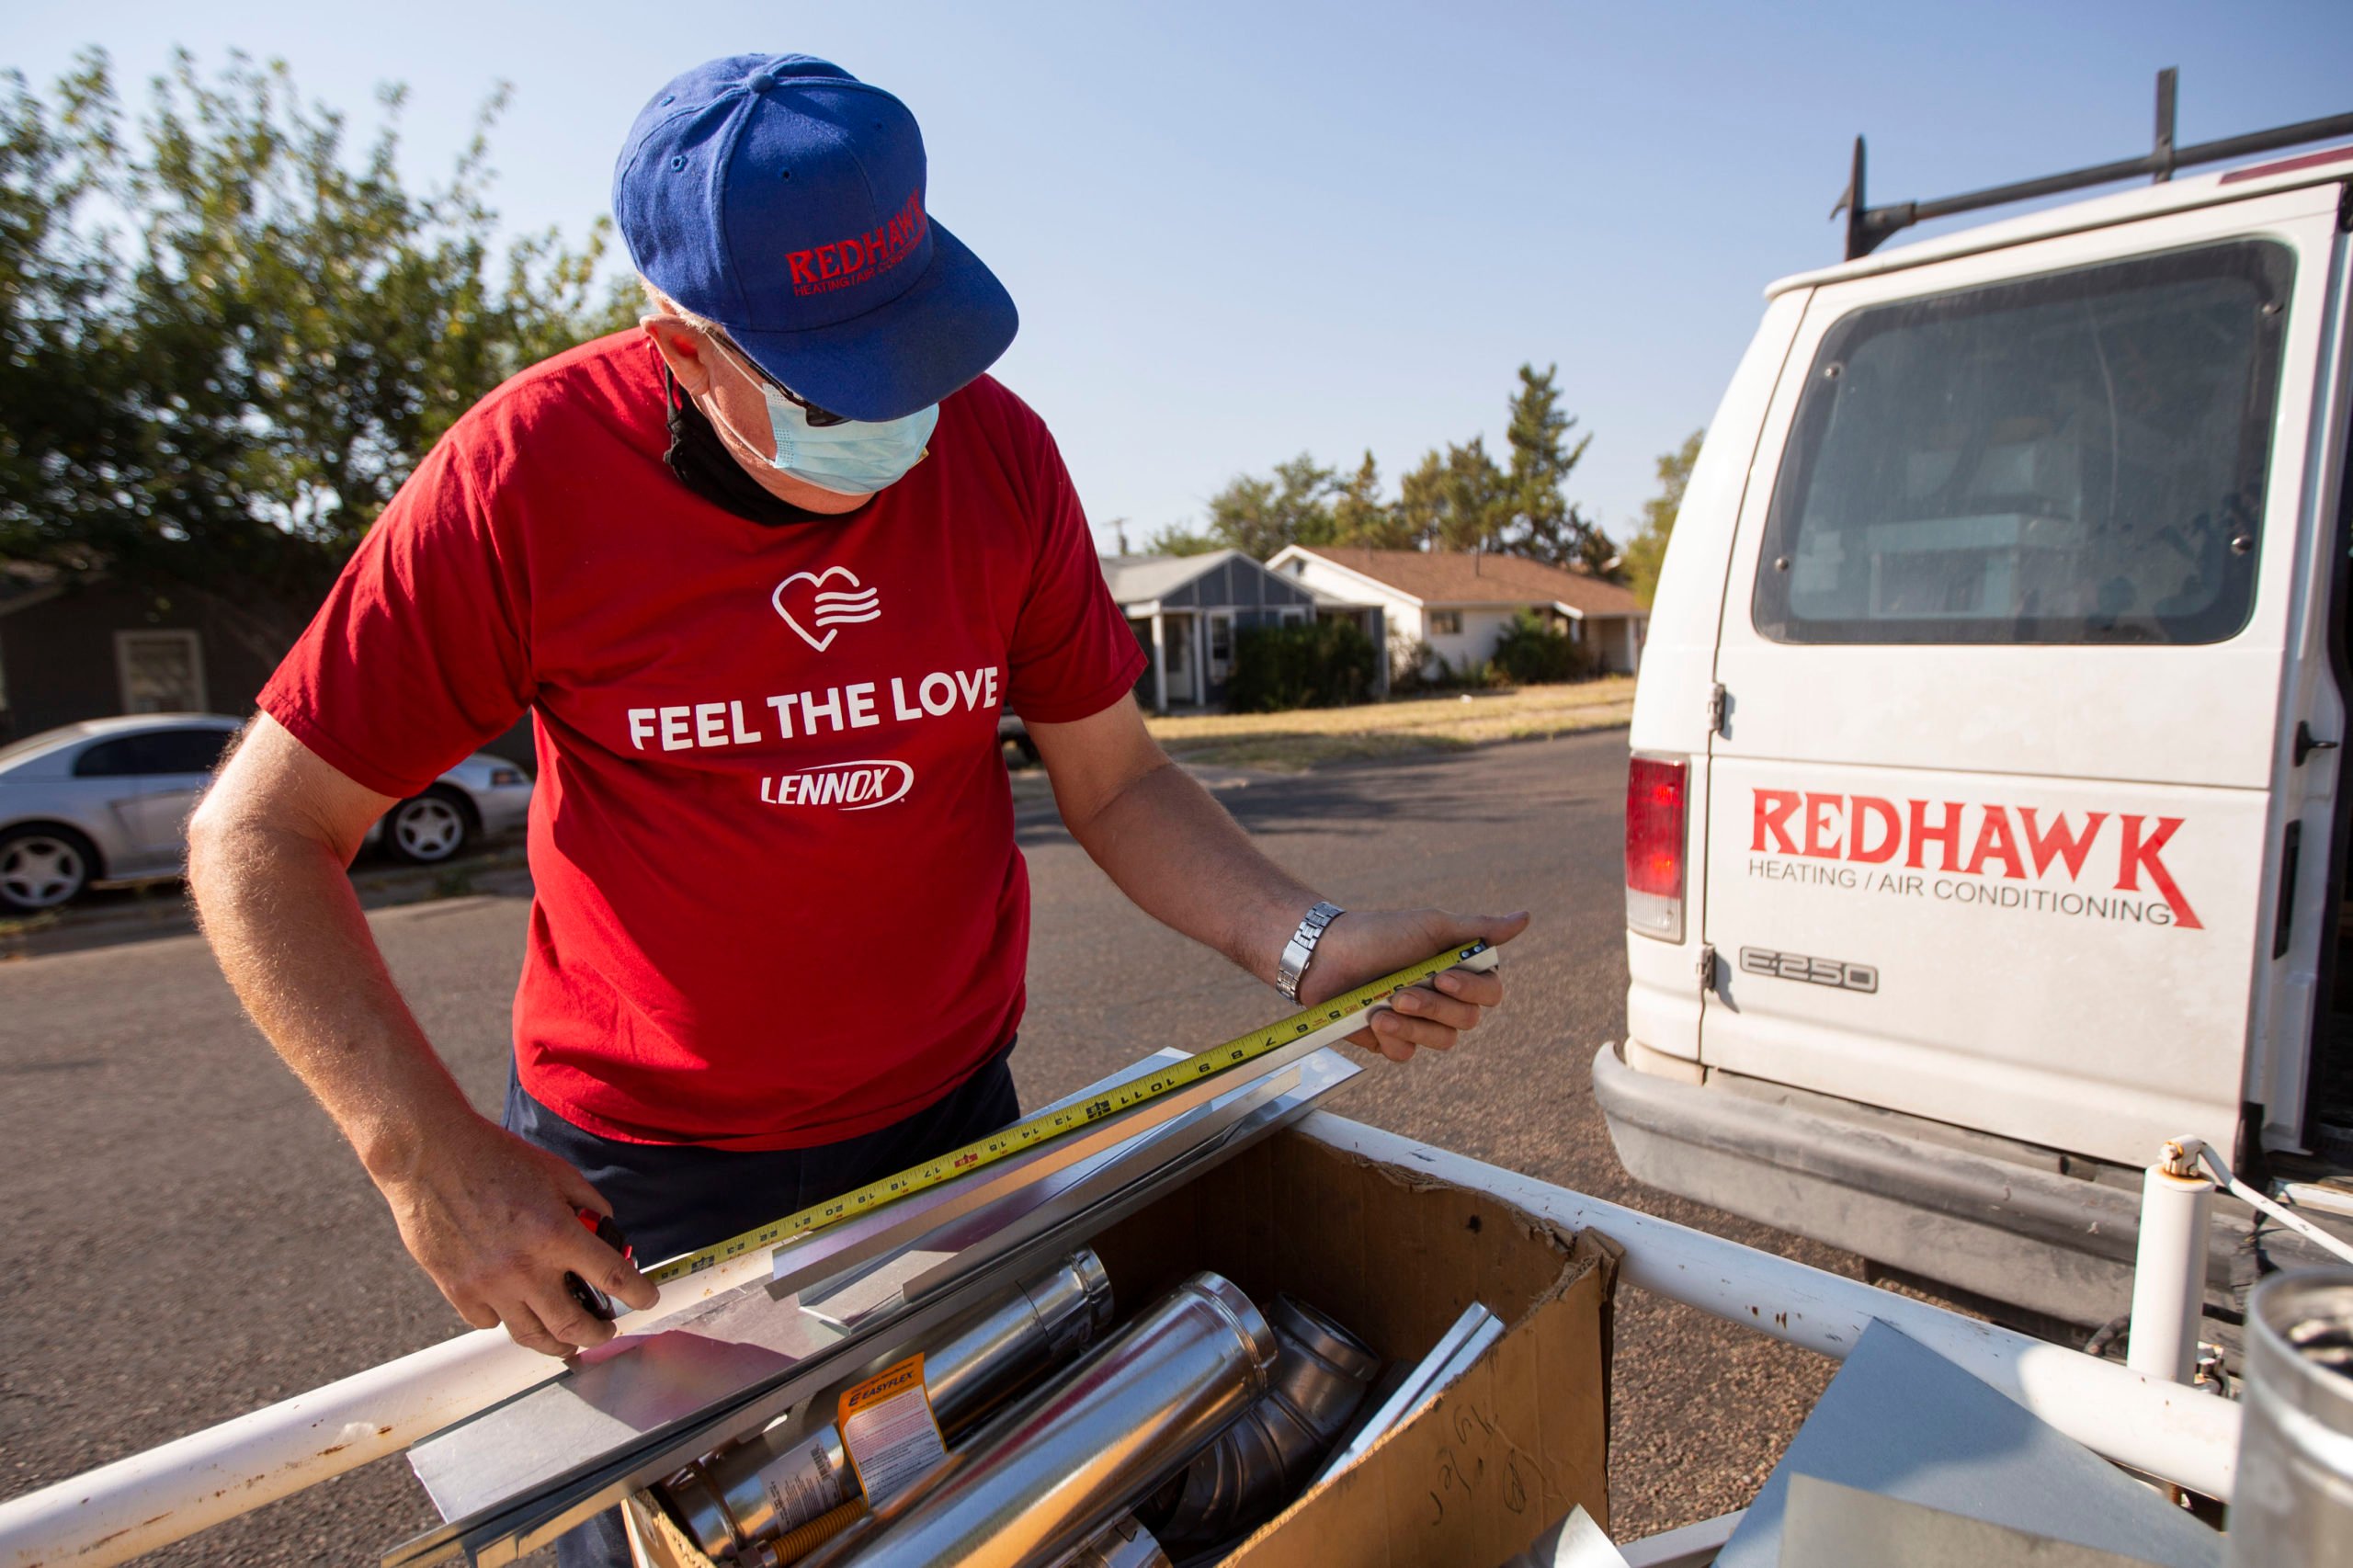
x=1988 y=824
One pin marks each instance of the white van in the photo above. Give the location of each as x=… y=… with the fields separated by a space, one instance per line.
x=1984 y=826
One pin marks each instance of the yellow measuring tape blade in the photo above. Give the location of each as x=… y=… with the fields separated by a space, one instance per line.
x=1045 y=1127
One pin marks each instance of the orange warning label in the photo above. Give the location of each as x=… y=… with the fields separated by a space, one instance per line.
x=889 y=1431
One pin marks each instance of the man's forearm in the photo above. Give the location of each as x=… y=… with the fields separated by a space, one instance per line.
x=490 y=1219
x=1178 y=854
x=287 y=927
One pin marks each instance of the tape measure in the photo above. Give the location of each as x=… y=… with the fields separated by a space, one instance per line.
x=1049 y=1125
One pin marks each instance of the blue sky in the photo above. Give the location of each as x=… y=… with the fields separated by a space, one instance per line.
x=1239 y=231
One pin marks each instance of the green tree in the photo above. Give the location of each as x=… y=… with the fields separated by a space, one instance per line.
x=230 y=339
x=60 y=356
x=1457 y=499
x=1360 y=516
x=1176 y=539
x=1647 y=550
x=1258 y=515
x=1542 y=522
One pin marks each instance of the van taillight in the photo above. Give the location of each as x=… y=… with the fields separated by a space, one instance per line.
x=1654 y=792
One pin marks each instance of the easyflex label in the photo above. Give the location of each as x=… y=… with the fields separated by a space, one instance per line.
x=2099 y=864
x=889 y=1431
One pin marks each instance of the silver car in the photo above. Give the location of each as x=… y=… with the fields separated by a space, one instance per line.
x=108 y=801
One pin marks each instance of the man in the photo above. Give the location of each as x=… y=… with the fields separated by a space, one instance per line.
x=764 y=573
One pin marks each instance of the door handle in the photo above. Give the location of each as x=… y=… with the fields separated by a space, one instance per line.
x=2291 y=845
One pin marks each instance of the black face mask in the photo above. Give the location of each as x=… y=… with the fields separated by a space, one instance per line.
x=704 y=465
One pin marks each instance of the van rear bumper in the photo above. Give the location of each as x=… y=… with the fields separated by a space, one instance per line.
x=1898 y=1190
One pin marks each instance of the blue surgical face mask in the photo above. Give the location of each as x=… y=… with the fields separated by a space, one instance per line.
x=852 y=458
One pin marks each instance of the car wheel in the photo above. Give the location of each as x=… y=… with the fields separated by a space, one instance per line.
x=41 y=868
x=429 y=828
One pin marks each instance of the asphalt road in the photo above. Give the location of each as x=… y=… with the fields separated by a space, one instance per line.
x=190 y=1239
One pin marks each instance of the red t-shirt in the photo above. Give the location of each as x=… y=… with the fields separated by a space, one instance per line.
x=779 y=899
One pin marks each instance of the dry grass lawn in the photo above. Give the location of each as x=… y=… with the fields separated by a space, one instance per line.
x=1292 y=742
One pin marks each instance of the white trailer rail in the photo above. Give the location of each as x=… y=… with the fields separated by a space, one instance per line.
x=137 y=1504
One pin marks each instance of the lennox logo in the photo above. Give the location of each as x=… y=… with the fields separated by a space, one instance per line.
x=859 y=258
x=846 y=785
x=1868 y=830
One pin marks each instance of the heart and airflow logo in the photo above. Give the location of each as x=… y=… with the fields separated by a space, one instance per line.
x=823 y=609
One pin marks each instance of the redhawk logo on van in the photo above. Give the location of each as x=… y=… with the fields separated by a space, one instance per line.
x=2002 y=841
x=859 y=258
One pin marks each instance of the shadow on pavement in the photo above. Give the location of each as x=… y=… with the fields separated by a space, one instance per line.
x=1347 y=799
x=110 y=917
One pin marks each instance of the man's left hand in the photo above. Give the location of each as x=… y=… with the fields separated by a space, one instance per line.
x=1365 y=944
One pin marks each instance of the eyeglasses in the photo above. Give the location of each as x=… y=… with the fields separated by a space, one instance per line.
x=819 y=418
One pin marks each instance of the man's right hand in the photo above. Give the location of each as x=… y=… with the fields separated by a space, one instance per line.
x=496 y=1223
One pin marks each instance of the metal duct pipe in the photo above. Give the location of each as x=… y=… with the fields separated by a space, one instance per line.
x=1122 y=1543
x=1262 y=1461
x=778 y=1479
x=1040 y=1479
x=1459 y=1347
x=2294 y=1506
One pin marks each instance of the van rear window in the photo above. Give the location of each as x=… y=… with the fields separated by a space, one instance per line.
x=2077 y=457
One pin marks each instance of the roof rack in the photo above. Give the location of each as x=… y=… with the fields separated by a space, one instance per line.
x=1868 y=227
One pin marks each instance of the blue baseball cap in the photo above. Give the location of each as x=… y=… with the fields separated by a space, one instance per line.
x=784 y=199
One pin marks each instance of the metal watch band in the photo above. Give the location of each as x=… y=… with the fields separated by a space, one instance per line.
x=1301 y=948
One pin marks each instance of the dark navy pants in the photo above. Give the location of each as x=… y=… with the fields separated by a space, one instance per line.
x=674 y=1197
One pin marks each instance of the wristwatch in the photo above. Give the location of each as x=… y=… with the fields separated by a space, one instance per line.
x=1301 y=948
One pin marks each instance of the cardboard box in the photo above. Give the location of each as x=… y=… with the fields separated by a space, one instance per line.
x=1506 y=1451
x=1510 y=1448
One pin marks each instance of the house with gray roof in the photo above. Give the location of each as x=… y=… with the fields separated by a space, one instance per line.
x=1186 y=610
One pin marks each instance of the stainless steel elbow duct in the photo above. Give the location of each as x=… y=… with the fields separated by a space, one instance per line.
x=1122 y=1543
x=775 y=1480
x=1043 y=1477
x=1263 y=1461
